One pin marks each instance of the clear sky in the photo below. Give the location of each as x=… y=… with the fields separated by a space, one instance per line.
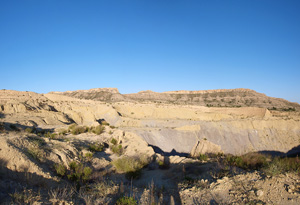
x=159 y=45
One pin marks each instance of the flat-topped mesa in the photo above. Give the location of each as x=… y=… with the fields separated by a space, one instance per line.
x=146 y=92
x=245 y=90
x=93 y=90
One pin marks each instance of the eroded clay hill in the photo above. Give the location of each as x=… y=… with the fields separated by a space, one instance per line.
x=42 y=136
x=169 y=128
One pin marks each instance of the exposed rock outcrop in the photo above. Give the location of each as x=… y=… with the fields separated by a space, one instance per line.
x=205 y=147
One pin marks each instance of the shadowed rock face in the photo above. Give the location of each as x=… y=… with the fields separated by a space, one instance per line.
x=168 y=126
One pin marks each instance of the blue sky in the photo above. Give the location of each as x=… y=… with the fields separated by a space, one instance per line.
x=159 y=45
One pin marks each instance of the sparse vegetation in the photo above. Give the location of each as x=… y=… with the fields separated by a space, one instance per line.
x=63 y=132
x=78 y=130
x=88 y=155
x=117 y=149
x=164 y=164
x=37 y=141
x=114 y=141
x=60 y=169
x=131 y=165
x=203 y=157
x=96 y=147
x=27 y=196
x=78 y=172
x=248 y=161
x=126 y=200
x=36 y=153
x=282 y=165
x=98 y=129
x=267 y=164
x=50 y=135
x=29 y=130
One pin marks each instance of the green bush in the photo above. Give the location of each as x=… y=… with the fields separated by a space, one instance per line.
x=63 y=132
x=130 y=165
x=78 y=172
x=113 y=141
x=164 y=164
x=282 y=165
x=51 y=135
x=104 y=123
x=27 y=196
x=117 y=149
x=36 y=153
x=38 y=141
x=98 y=129
x=248 y=161
x=73 y=165
x=29 y=130
x=203 y=157
x=98 y=147
x=125 y=200
x=88 y=155
x=78 y=130
x=87 y=171
x=71 y=127
x=60 y=169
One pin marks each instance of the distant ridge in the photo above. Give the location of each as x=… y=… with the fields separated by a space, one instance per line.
x=209 y=91
x=239 y=97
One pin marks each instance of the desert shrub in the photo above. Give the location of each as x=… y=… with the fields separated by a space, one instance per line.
x=27 y=196
x=51 y=135
x=60 y=169
x=130 y=165
x=61 y=195
x=163 y=164
x=36 y=153
x=248 y=161
x=98 y=147
x=104 y=123
x=88 y=155
x=114 y=141
x=73 y=165
x=29 y=130
x=78 y=172
x=282 y=165
x=112 y=127
x=63 y=132
x=125 y=200
x=117 y=149
x=98 y=129
x=71 y=127
x=38 y=141
x=203 y=157
x=78 y=130
x=87 y=171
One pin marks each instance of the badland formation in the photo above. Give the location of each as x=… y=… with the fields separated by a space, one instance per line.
x=97 y=146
